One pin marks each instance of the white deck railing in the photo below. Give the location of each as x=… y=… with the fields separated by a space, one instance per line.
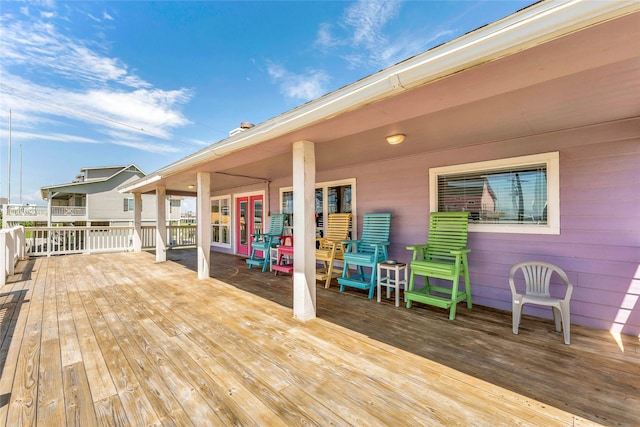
x=25 y=210
x=68 y=211
x=46 y=241
x=12 y=248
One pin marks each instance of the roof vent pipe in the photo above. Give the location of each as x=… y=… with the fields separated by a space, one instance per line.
x=243 y=126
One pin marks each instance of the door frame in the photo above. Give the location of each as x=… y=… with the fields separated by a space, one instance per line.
x=235 y=218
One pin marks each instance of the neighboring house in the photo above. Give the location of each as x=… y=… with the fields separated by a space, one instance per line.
x=544 y=104
x=91 y=199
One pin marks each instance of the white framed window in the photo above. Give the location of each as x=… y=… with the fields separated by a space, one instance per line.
x=221 y=221
x=128 y=205
x=331 y=197
x=513 y=195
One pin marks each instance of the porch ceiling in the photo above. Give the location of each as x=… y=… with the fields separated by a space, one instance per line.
x=577 y=80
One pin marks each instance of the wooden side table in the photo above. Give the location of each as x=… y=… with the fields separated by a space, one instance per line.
x=395 y=276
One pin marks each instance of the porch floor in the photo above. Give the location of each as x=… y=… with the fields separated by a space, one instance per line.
x=118 y=339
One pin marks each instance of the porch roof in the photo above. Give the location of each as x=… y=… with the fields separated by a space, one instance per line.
x=551 y=66
x=81 y=186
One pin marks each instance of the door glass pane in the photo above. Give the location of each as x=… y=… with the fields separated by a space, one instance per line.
x=243 y=224
x=257 y=216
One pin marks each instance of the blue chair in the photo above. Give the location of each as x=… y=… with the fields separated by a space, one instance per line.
x=366 y=252
x=263 y=242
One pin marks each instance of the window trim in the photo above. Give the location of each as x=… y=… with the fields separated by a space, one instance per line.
x=551 y=159
x=325 y=202
x=229 y=225
x=131 y=204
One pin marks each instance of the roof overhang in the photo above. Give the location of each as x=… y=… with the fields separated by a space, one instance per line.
x=376 y=105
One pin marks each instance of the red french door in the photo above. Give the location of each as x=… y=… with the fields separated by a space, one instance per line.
x=248 y=221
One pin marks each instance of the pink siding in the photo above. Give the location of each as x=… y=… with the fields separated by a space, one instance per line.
x=599 y=244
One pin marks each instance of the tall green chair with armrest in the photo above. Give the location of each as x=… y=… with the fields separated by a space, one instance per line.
x=443 y=257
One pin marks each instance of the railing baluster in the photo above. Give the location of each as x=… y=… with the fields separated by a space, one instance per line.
x=69 y=240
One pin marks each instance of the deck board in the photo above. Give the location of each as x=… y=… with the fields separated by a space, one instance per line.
x=117 y=339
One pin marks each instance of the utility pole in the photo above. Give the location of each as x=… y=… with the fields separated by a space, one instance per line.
x=21 y=173
x=9 y=164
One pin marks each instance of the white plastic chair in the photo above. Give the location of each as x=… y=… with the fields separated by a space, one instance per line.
x=537 y=276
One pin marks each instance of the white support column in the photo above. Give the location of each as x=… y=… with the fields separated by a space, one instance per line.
x=137 y=222
x=161 y=224
x=304 y=235
x=49 y=209
x=203 y=215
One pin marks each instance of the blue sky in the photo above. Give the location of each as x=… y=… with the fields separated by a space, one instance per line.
x=113 y=83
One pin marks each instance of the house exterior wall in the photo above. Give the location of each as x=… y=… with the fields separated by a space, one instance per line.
x=100 y=197
x=105 y=203
x=599 y=242
x=92 y=173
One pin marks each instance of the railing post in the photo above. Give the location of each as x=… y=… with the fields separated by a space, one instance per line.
x=21 y=242
x=137 y=222
x=3 y=257
x=11 y=252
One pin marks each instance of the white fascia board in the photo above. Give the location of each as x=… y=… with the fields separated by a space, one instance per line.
x=130 y=188
x=532 y=26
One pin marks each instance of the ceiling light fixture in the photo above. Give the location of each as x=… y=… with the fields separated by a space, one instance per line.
x=191 y=187
x=395 y=139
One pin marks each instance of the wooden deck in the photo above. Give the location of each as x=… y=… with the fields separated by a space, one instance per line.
x=117 y=339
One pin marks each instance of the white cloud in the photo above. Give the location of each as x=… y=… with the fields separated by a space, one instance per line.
x=132 y=141
x=20 y=136
x=96 y=89
x=367 y=18
x=363 y=36
x=106 y=16
x=305 y=86
x=325 y=39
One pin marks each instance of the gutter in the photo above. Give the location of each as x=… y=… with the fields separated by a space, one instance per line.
x=532 y=26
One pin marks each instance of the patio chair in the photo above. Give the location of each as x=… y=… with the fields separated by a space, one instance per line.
x=263 y=242
x=443 y=257
x=331 y=248
x=537 y=278
x=366 y=252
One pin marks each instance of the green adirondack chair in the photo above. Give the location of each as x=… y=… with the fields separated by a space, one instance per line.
x=265 y=241
x=366 y=252
x=443 y=257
